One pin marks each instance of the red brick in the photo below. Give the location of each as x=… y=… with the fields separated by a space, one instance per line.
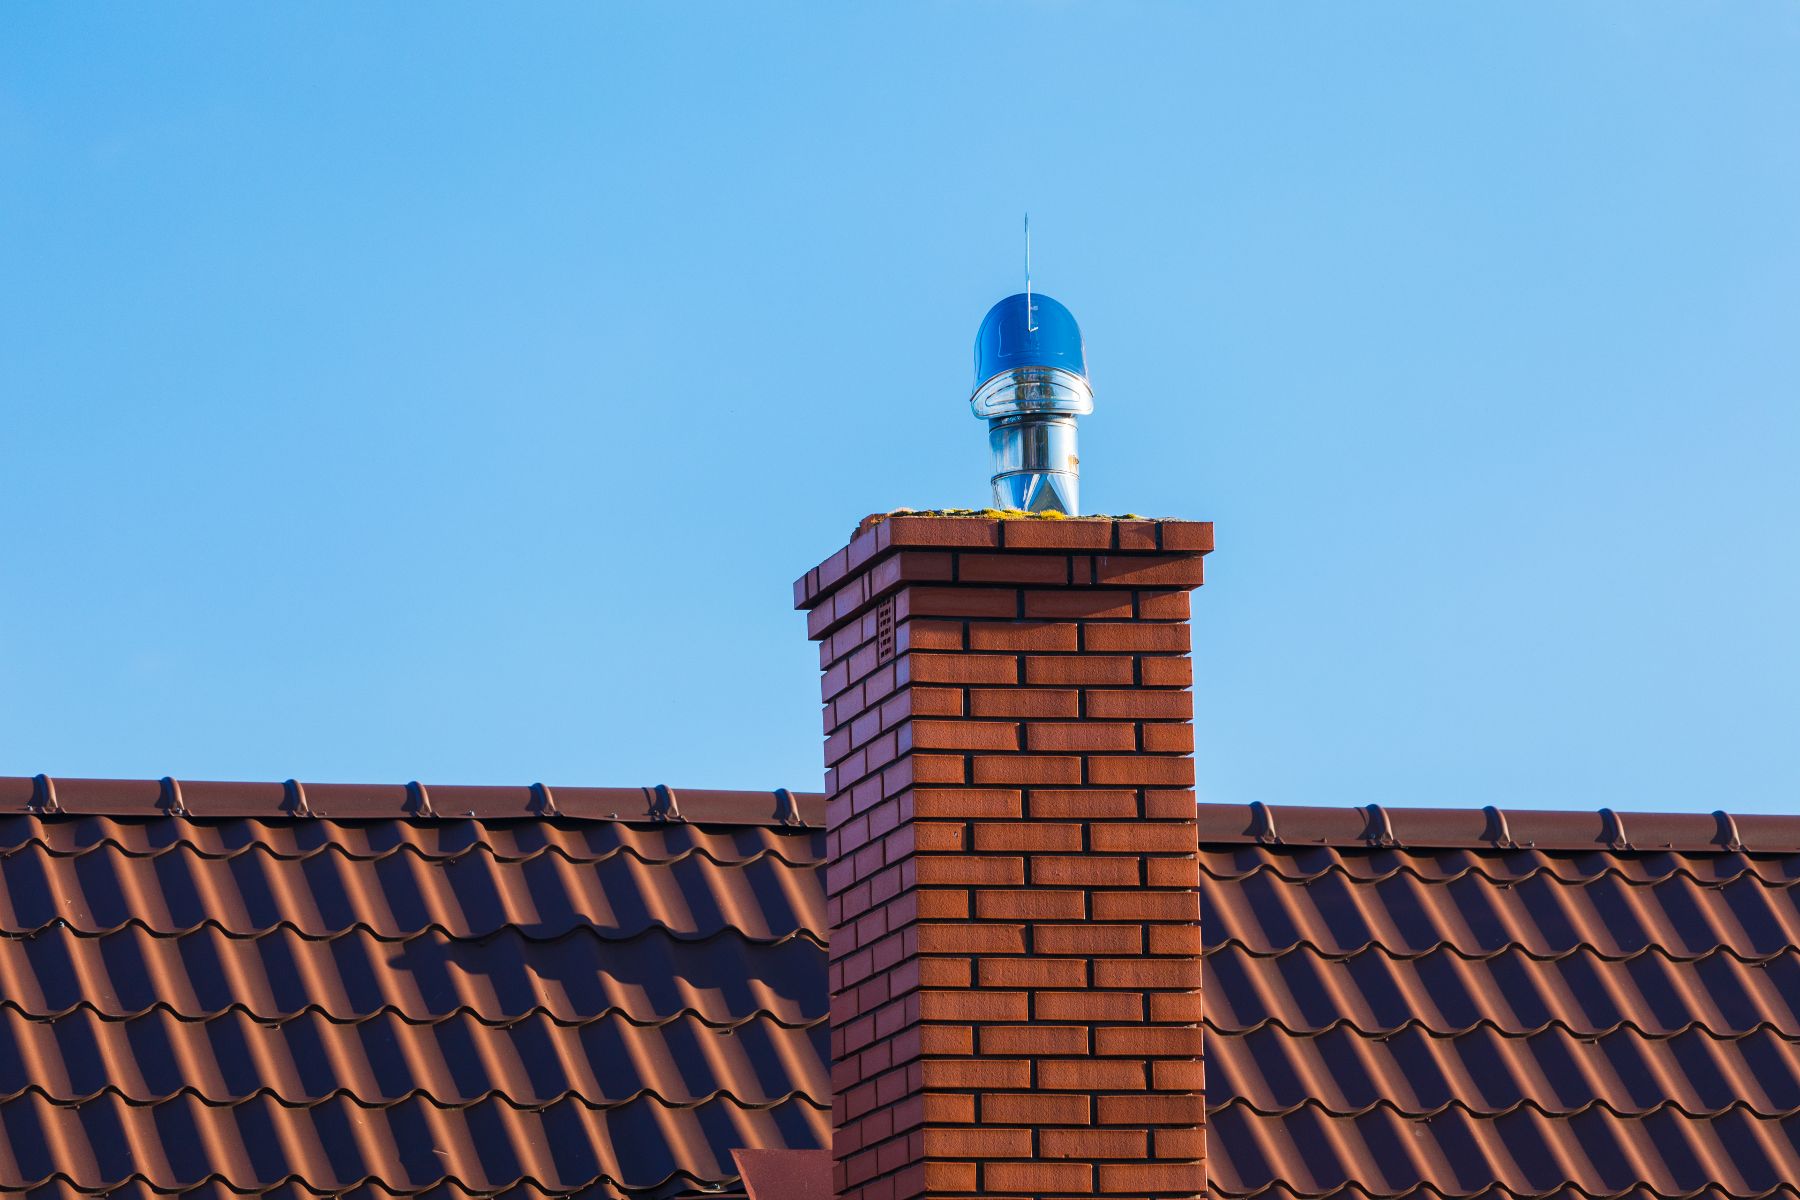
x=1085 y=871
x=1191 y=536
x=1092 y=1143
x=1033 y=1040
x=1085 y=605
x=971 y=937
x=1036 y=1108
x=1146 y=906
x=1087 y=1006
x=1139 y=705
x=1163 y=606
x=1014 y=568
x=1030 y=971
x=1147 y=973
x=963 y=668
x=1179 y=1143
x=937 y=768
x=1143 y=837
x=1031 y=904
x=1043 y=1178
x=1172 y=871
x=930 y=634
x=1023 y=635
x=1027 y=835
x=941 y=1177
x=1057 y=535
x=941 y=904
x=1178 y=1075
x=1087 y=939
x=953 y=1040
x=1162 y=804
x=1175 y=939
x=1185 y=1007
x=1148 y=1041
x=1022 y=702
x=1026 y=769
x=927 y=702
x=1166 y=672
x=1173 y=1109
x=911 y=566
x=1080 y=735
x=1161 y=570
x=1189 y=1177
x=986 y=1141
x=965 y=735
x=1087 y=804
x=951 y=869
x=945 y=972
x=1077 y=669
x=907 y=529
x=1136 y=534
x=973 y=1005
x=947 y=1108
x=1167 y=737
x=1142 y=770
x=939 y=835
x=967 y=803
x=976 y=1073
x=921 y=601
x=1089 y=1074
x=1135 y=636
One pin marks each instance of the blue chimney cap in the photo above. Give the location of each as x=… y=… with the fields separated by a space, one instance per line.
x=1011 y=337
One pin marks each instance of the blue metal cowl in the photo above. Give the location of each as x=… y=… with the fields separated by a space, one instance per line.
x=1011 y=337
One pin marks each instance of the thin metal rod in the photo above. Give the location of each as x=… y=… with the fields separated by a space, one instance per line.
x=1029 y=326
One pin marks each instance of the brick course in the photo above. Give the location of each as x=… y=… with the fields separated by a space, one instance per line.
x=1011 y=876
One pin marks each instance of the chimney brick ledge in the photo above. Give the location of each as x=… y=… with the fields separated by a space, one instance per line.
x=1113 y=536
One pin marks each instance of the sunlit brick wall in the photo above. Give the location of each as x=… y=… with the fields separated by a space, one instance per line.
x=1015 y=954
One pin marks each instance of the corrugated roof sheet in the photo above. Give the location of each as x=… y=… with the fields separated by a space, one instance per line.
x=1463 y=1004
x=401 y=1005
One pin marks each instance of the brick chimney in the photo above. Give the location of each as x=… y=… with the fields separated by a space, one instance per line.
x=1012 y=876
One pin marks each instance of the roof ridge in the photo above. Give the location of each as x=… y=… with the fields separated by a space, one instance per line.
x=293 y=800
x=1493 y=828
x=475 y=846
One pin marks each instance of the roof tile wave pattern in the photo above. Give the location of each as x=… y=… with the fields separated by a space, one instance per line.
x=453 y=1006
x=1393 y=1022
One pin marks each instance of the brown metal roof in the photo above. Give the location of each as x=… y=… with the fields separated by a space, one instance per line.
x=612 y=999
x=1460 y=1003
x=605 y=1001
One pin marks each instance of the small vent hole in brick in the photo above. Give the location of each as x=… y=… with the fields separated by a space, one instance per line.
x=884 y=630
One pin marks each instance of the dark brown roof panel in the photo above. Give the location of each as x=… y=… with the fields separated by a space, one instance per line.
x=1420 y=1005
x=402 y=1005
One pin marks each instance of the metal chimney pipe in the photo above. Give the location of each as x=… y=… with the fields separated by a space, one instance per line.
x=1030 y=384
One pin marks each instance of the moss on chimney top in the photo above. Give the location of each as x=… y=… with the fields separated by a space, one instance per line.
x=990 y=514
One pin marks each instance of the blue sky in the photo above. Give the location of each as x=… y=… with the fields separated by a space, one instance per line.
x=452 y=392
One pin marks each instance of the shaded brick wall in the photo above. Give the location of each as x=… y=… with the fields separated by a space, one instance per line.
x=1011 y=866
